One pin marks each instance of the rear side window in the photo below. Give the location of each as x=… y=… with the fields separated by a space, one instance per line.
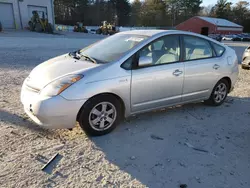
x=196 y=48
x=219 y=50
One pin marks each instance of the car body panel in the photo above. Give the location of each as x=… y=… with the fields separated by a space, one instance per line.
x=150 y=87
x=200 y=77
x=140 y=90
x=54 y=68
x=50 y=112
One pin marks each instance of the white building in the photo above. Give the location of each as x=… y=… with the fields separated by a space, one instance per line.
x=15 y=14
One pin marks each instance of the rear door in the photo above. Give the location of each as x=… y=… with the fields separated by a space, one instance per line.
x=202 y=68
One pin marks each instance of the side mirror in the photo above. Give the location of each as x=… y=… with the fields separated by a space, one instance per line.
x=145 y=61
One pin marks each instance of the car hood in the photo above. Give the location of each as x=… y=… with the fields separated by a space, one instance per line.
x=44 y=73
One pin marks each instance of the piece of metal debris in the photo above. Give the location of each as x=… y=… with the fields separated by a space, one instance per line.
x=156 y=137
x=51 y=164
x=197 y=149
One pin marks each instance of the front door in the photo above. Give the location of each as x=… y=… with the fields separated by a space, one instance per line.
x=160 y=82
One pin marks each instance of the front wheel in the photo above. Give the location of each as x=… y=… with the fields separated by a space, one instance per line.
x=219 y=93
x=100 y=115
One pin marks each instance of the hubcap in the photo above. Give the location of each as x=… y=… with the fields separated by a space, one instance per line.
x=102 y=116
x=220 y=92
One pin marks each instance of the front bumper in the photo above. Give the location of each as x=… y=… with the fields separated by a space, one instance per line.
x=50 y=112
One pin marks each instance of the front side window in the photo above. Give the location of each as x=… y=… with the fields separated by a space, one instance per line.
x=196 y=48
x=162 y=51
x=112 y=48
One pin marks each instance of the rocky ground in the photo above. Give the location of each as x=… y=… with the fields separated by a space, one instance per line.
x=196 y=145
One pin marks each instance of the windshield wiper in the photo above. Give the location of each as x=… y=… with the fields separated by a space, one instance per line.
x=77 y=55
x=74 y=55
x=86 y=57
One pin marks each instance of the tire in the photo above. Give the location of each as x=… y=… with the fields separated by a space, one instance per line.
x=99 y=31
x=31 y=26
x=49 y=29
x=219 y=93
x=38 y=27
x=92 y=115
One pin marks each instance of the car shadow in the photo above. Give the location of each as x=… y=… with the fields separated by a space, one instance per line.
x=158 y=148
x=22 y=121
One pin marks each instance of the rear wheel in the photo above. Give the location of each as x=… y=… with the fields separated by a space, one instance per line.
x=100 y=115
x=219 y=93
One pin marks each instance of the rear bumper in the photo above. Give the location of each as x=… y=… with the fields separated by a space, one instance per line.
x=50 y=112
x=246 y=62
x=245 y=65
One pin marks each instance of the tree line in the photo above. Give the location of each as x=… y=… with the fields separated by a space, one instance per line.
x=155 y=13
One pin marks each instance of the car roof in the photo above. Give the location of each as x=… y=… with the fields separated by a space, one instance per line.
x=144 y=32
x=155 y=33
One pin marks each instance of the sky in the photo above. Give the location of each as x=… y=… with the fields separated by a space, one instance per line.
x=212 y=2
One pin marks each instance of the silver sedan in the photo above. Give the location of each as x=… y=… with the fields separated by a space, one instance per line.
x=246 y=58
x=125 y=74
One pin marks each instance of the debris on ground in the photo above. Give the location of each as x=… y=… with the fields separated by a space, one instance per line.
x=51 y=164
x=197 y=149
x=183 y=186
x=132 y=157
x=156 y=137
x=182 y=164
x=198 y=179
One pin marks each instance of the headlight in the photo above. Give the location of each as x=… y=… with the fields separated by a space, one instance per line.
x=58 y=86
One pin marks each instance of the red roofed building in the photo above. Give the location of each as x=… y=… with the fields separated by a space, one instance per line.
x=209 y=25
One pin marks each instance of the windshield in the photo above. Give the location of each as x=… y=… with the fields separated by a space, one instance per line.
x=113 y=47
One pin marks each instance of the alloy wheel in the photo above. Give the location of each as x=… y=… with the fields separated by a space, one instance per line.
x=102 y=116
x=220 y=92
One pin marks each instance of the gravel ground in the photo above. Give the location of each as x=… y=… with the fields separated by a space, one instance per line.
x=151 y=150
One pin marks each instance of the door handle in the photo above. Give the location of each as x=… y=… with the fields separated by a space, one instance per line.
x=216 y=66
x=177 y=72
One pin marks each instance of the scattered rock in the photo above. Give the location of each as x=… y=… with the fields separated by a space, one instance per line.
x=230 y=101
x=132 y=157
x=183 y=185
x=227 y=137
x=5 y=101
x=222 y=147
x=231 y=173
x=182 y=164
x=99 y=178
x=191 y=131
x=156 y=137
x=25 y=118
x=14 y=132
x=158 y=164
x=198 y=179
